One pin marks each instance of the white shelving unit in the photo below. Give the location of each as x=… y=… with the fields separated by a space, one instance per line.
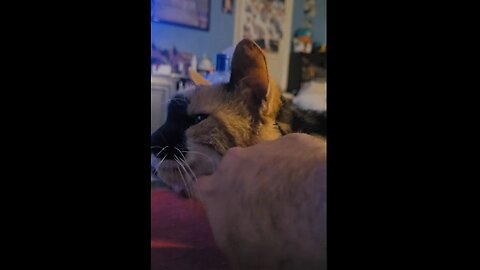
x=163 y=88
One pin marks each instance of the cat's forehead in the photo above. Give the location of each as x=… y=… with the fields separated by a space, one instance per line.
x=195 y=91
x=202 y=99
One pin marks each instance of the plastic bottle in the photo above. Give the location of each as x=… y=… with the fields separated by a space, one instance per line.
x=222 y=70
x=205 y=66
x=193 y=63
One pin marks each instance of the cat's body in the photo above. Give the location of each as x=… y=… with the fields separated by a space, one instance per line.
x=205 y=121
x=293 y=118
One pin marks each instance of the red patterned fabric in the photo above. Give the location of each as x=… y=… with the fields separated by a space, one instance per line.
x=180 y=235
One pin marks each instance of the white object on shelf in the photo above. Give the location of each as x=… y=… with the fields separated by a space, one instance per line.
x=205 y=63
x=193 y=63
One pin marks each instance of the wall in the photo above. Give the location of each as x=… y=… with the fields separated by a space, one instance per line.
x=218 y=38
x=220 y=35
x=319 y=30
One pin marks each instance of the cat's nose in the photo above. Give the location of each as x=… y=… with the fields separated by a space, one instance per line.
x=167 y=142
x=157 y=145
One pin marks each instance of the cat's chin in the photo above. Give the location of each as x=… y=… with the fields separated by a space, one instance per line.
x=180 y=175
x=203 y=158
x=179 y=178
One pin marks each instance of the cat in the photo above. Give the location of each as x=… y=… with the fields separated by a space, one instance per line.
x=204 y=121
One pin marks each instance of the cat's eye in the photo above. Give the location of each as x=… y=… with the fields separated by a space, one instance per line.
x=199 y=118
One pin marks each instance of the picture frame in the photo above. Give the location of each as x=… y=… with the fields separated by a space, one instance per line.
x=193 y=14
x=227 y=6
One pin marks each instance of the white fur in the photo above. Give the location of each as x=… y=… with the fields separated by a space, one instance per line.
x=312 y=96
x=153 y=164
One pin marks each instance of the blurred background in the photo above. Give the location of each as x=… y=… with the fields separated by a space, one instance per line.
x=201 y=34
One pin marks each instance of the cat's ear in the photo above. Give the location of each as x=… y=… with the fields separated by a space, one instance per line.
x=197 y=78
x=250 y=75
x=249 y=67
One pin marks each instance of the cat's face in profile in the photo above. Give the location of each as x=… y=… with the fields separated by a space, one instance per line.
x=204 y=121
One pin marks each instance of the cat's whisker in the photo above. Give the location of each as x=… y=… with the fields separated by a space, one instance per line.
x=161 y=151
x=177 y=174
x=187 y=183
x=182 y=177
x=160 y=163
x=184 y=161
x=212 y=163
x=181 y=152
